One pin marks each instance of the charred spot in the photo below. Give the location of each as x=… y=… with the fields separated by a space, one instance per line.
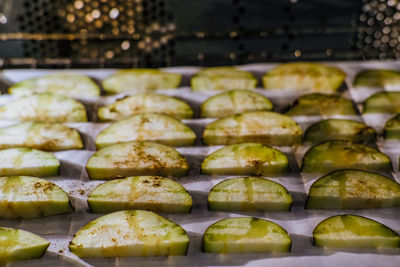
x=146 y=182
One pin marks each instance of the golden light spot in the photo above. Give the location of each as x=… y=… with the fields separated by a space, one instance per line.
x=78 y=4
x=114 y=13
x=96 y=13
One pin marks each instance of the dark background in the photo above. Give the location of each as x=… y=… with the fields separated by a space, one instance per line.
x=155 y=33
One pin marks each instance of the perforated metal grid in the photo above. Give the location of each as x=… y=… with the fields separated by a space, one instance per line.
x=379 y=29
x=153 y=33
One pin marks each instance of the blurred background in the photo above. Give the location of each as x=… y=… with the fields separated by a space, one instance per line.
x=157 y=33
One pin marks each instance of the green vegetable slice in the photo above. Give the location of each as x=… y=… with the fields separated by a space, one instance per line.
x=154 y=193
x=145 y=103
x=352 y=231
x=26 y=161
x=246 y=159
x=338 y=129
x=245 y=235
x=334 y=155
x=40 y=135
x=24 y=197
x=249 y=194
x=223 y=78
x=353 y=189
x=17 y=245
x=382 y=102
x=234 y=102
x=259 y=126
x=129 y=234
x=136 y=158
x=380 y=78
x=392 y=128
x=140 y=81
x=68 y=84
x=147 y=127
x=304 y=76
x=44 y=107
x=321 y=104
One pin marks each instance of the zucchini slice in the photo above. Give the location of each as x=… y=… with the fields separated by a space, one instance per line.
x=40 y=135
x=145 y=103
x=154 y=193
x=140 y=81
x=223 y=78
x=234 y=102
x=130 y=233
x=321 y=104
x=353 y=189
x=382 y=102
x=147 y=127
x=338 y=129
x=246 y=159
x=352 y=231
x=392 y=128
x=27 y=161
x=17 y=245
x=25 y=197
x=44 y=107
x=377 y=78
x=245 y=235
x=249 y=194
x=334 y=155
x=136 y=158
x=259 y=126
x=67 y=84
x=304 y=76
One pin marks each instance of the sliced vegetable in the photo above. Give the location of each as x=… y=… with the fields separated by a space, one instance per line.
x=382 y=102
x=223 y=78
x=145 y=103
x=17 y=245
x=136 y=158
x=245 y=235
x=234 y=102
x=44 y=107
x=392 y=128
x=334 y=155
x=68 y=84
x=321 y=104
x=338 y=129
x=40 y=135
x=24 y=197
x=140 y=81
x=154 y=193
x=304 y=76
x=147 y=127
x=246 y=159
x=249 y=194
x=352 y=231
x=27 y=161
x=353 y=189
x=259 y=126
x=377 y=78
x=129 y=234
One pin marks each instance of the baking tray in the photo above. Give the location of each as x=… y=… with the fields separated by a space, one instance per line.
x=299 y=222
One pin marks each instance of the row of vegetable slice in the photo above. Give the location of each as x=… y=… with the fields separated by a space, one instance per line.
x=148 y=158
x=144 y=233
x=26 y=197
x=261 y=126
x=299 y=76
x=58 y=109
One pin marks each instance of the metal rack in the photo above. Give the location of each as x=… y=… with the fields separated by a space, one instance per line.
x=154 y=33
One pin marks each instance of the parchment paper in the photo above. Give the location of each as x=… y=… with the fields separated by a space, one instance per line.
x=299 y=222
